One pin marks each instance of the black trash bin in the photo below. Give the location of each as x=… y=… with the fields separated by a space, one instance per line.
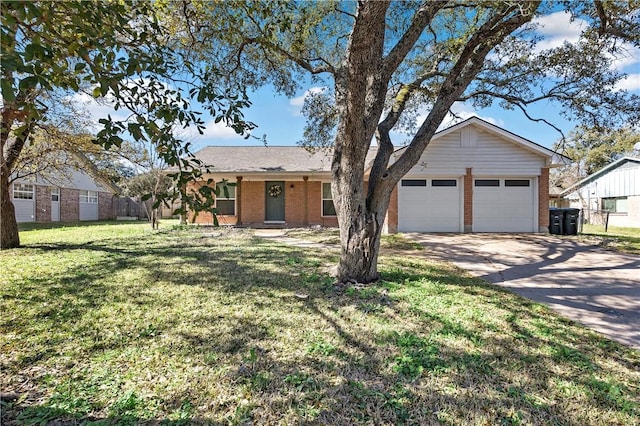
x=556 y=219
x=570 y=222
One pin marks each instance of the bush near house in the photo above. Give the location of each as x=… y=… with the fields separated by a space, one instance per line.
x=118 y=323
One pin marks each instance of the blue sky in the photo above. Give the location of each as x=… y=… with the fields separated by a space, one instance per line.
x=279 y=118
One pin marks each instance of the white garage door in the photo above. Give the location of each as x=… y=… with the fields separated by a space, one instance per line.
x=503 y=205
x=24 y=210
x=429 y=205
x=23 y=202
x=88 y=205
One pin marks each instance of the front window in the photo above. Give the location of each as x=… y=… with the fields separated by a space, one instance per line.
x=328 y=209
x=615 y=204
x=226 y=199
x=90 y=197
x=22 y=191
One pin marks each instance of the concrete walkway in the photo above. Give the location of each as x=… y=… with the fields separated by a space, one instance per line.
x=596 y=287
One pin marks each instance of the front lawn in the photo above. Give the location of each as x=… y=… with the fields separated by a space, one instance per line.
x=117 y=323
x=626 y=240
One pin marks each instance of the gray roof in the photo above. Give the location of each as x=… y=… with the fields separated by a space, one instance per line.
x=267 y=159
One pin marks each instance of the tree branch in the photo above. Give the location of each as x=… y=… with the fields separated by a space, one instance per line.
x=421 y=20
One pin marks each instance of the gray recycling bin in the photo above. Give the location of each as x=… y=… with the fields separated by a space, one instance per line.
x=556 y=219
x=570 y=222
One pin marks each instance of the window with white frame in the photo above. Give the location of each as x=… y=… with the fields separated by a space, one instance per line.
x=328 y=209
x=22 y=191
x=615 y=204
x=90 y=197
x=55 y=195
x=226 y=200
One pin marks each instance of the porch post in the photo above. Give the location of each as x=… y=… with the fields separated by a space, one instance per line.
x=239 y=200
x=306 y=200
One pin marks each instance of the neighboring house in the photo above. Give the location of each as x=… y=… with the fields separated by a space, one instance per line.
x=473 y=177
x=76 y=196
x=614 y=189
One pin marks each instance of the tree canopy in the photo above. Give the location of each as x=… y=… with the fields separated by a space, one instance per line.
x=387 y=63
x=117 y=50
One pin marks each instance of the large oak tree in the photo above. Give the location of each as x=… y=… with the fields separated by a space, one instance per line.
x=114 y=49
x=385 y=62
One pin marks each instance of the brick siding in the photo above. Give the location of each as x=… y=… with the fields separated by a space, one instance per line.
x=69 y=205
x=252 y=202
x=43 y=204
x=468 y=200
x=105 y=206
x=543 y=200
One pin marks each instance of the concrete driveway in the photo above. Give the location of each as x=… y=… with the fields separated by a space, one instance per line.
x=596 y=287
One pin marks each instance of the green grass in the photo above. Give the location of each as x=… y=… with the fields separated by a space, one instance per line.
x=117 y=324
x=332 y=236
x=626 y=240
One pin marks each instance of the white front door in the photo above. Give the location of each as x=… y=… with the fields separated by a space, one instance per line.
x=55 y=204
x=430 y=205
x=504 y=205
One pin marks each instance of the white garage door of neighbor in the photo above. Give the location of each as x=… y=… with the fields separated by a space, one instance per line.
x=429 y=205
x=24 y=210
x=88 y=211
x=503 y=205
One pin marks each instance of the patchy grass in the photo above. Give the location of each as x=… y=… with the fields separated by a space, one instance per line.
x=332 y=236
x=626 y=240
x=321 y=236
x=115 y=323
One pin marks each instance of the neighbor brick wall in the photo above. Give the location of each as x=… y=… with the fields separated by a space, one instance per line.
x=43 y=204
x=105 y=206
x=468 y=200
x=543 y=200
x=69 y=205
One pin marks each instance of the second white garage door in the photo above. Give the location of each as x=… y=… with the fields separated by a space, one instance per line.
x=429 y=205
x=503 y=205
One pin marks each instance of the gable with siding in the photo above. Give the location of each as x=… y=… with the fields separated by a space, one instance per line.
x=487 y=153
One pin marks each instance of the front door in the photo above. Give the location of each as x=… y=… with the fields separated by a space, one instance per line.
x=55 y=204
x=274 y=201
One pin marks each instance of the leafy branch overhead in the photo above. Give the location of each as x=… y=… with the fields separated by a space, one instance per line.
x=383 y=64
x=127 y=59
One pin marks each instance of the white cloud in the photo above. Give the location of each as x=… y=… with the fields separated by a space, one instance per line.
x=557 y=28
x=213 y=132
x=97 y=109
x=631 y=83
x=297 y=102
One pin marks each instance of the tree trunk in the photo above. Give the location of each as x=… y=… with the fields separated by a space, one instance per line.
x=9 y=236
x=360 y=243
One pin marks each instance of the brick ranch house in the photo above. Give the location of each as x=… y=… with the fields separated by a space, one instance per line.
x=74 y=197
x=473 y=177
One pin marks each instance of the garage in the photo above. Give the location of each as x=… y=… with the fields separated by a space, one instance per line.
x=23 y=202
x=430 y=205
x=504 y=205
